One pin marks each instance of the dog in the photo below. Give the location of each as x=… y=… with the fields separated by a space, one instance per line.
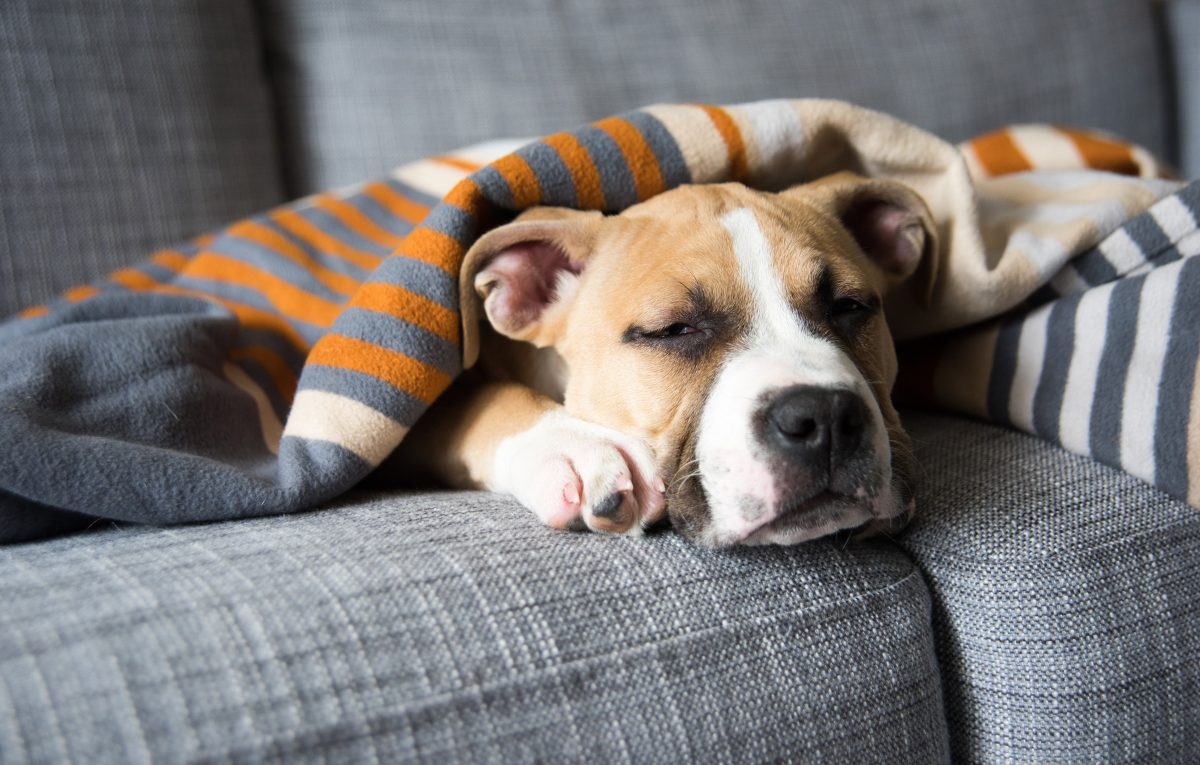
x=715 y=355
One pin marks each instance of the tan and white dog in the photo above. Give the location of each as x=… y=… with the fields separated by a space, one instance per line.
x=716 y=354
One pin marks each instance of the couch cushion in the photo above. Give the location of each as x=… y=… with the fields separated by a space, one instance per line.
x=364 y=86
x=1183 y=22
x=1066 y=601
x=127 y=126
x=452 y=627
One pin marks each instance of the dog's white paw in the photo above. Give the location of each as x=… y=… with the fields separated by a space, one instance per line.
x=574 y=474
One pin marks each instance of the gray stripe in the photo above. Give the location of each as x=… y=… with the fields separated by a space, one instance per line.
x=334 y=227
x=1004 y=370
x=1060 y=347
x=494 y=187
x=273 y=263
x=308 y=331
x=558 y=186
x=377 y=214
x=321 y=256
x=1150 y=238
x=670 y=160
x=375 y=393
x=1190 y=197
x=400 y=336
x=1107 y=405
x=312 y=471
x=419 y=277
x=258 y=373
x=620 y=191
x=453 y=222
x=1178 y=379
x=1094 y=268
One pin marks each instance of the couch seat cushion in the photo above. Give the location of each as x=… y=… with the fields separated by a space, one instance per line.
x=452 y=627
x=1066 y=601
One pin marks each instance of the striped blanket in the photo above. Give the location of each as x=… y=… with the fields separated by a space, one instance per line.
x=272 y=365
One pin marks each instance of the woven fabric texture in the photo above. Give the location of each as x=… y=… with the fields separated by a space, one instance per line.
x=452 y=627
x=366 y=85
x=126 y=127
x=1066 y=601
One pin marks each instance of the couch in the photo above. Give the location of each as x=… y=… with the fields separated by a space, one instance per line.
x=1041 y=608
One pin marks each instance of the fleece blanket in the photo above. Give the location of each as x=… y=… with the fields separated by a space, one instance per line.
x=274 y=364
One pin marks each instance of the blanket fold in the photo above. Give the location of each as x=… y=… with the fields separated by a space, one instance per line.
x=272 y=365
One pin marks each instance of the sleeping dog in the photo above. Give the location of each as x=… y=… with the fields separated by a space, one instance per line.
x=716 y=355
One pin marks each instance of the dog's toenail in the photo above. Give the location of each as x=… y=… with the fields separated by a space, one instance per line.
x=609 y=507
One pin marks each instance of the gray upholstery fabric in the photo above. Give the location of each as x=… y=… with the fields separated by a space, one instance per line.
x=126 y=127
x=1183 y=18
x=452 y=627
x=366 y=85
x=1066 y=601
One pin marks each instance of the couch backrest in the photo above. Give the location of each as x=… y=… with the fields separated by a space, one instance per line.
x=132 y=124
x=126 y=126
x=366 y=84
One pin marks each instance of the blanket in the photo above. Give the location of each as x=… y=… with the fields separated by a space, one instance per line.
x=272 y=365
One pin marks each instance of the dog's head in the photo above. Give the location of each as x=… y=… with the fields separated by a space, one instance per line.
x=739 y=333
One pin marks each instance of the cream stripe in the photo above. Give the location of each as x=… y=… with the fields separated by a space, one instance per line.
x=1091 y=326
x=323 y=416
x=433 y=178
x=974 y=166
x=1046 y=148
x=268 y=424
x=489 y=151
x=704 y=151
x=1122 y=252
x=1140 y=406
x=774 y=138
x=1174 y=218
x=1030 y=355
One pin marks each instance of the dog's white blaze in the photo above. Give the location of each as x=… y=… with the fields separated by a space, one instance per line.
x=781 y=351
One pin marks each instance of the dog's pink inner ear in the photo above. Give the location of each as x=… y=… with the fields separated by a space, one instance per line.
x=520 y=282
x=890 y=235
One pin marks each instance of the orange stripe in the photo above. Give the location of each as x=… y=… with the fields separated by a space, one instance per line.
x=466 y=195
x=1103 y=154
x=647 y=176
x=398 y=302
x=458 y=162
x=357 y=221
x=326 y=244
x=999 y=154
x=433 y=247
x=171 y=259
x=396 y=369
x=279 y=244
x=249 y=316
x=78 y=294
x=285 y=297
x=277 y=369
x=33 y=312
x=588 y=188
x=396 y=203
x=522 y=183
x=732 y=138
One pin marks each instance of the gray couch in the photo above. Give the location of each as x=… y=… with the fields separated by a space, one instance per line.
x=1042 y=608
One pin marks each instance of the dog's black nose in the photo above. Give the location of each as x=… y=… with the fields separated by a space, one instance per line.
x=819 y=426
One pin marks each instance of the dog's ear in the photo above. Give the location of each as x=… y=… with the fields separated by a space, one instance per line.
x=523 y=271
x=889 y=221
